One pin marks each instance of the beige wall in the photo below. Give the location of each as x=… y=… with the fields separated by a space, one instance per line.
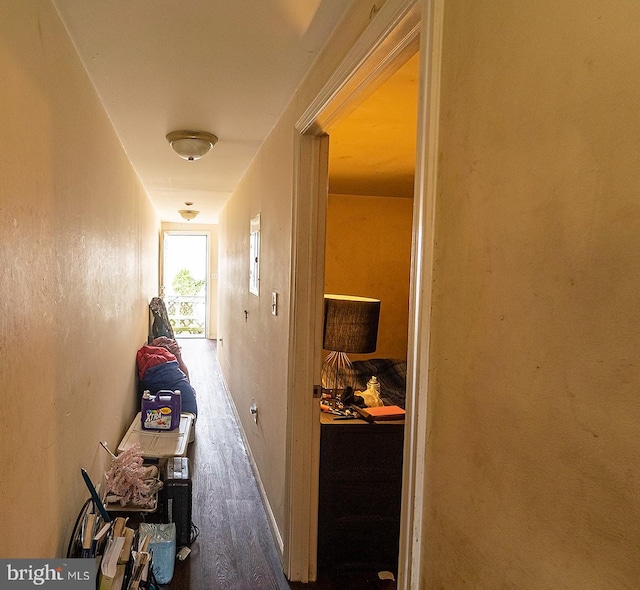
x=78 y=253
x=533 y=452
x=253 y=352
x=212 y=231
x=253 y=346
x=368 y=253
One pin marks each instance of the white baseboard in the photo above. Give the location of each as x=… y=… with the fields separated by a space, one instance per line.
x=273 y=525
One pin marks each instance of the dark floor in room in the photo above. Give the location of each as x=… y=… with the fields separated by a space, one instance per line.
x=235 y=549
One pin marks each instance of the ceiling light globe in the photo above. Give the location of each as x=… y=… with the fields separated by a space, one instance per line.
x=188 y=214
x=191 y=145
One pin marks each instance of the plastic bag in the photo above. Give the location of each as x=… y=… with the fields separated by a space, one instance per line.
x=163 y=547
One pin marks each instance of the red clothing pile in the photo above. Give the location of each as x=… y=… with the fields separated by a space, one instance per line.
x=151 y=356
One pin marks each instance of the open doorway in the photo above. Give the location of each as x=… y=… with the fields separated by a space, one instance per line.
x=184 y=284
x=372 y=153
x=392 y=38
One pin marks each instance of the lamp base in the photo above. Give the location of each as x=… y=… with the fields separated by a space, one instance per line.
x=337 y=374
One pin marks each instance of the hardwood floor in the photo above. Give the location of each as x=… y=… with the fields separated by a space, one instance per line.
x=235 y=549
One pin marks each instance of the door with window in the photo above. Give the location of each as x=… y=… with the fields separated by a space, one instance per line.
x=184 y=284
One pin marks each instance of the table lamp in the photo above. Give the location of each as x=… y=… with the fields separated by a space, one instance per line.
x=350 y=326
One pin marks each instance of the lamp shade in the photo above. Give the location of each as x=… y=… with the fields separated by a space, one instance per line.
x=350 y=323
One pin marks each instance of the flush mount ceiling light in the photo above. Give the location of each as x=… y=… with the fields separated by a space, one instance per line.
x=191 y=145
x=188 y=214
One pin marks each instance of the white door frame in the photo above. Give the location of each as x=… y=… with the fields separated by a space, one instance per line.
x=305 y=347
x=393 y=32
x=415 y=476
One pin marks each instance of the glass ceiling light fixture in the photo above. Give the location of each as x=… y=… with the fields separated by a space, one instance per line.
x=191 y=145
x=188 y=214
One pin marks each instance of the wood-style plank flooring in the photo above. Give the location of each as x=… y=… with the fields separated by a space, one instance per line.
x=235 y=549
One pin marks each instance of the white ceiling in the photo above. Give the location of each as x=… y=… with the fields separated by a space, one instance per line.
x=228 y=67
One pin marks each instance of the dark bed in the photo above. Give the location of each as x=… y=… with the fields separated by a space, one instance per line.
x=392 y=375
